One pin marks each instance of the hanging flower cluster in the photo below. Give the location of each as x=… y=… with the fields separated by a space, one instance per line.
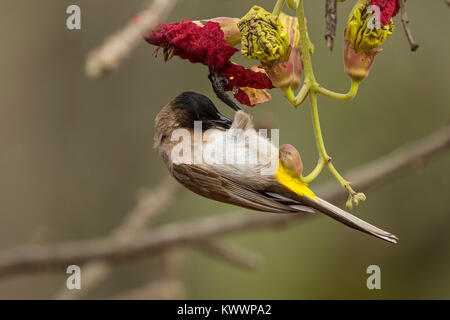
x=273 y=40
x=207 y=45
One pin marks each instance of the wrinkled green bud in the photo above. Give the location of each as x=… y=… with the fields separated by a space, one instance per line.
x=364 y=36
x=263 y=37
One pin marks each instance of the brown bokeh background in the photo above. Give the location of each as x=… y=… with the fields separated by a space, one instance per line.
x=74 y=152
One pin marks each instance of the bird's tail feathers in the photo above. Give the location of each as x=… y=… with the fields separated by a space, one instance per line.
x=352 y=221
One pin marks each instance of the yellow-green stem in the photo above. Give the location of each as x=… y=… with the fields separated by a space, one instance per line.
x=317 y=170
x=340 y=96
x=312 y=87
x=297 y=100
x=306 y=58
x=321 y=146
x=278 y=7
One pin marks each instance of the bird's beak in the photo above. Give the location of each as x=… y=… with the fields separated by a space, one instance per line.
x=222 y=122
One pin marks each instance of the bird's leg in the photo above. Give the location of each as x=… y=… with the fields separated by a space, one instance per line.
x=219 y=84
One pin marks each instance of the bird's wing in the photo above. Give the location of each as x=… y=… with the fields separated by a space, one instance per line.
x=277 y=199
x=209 y=184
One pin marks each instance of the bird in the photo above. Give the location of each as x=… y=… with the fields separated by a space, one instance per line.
x=197 y=144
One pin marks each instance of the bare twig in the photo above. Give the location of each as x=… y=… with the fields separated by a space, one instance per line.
x=405 y=22
x=330 y=22
x=234 y=255
x=166 y=289
x=168 y=286
x=119 y=45
x=32 y=258
x=150 y=204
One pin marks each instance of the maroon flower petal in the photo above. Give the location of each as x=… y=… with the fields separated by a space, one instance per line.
x=197 y=44
x=240 y=76
x=207 y=45
x=388 y=9
x=243 y=98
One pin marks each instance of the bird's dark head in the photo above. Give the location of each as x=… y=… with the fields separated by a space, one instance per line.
x=183 y=111
x=197 y=107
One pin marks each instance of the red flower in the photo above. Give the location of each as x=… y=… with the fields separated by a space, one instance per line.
x=388 y=8
x=207 y=45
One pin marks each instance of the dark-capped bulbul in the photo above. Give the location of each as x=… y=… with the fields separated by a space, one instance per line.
x=264 y=178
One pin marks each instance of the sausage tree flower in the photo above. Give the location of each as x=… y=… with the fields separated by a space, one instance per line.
x=271 y=39
x=207 y=45
x=263 y=37
x=287 y=74
x=275 y=42
x=362 y=38
x=361 y=35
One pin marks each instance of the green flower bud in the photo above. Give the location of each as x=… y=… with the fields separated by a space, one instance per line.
x=263 y=37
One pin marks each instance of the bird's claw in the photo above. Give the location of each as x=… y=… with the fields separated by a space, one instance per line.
x=220 y=85
x=219 y=82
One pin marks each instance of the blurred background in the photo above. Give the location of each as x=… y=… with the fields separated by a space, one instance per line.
x=75 y=152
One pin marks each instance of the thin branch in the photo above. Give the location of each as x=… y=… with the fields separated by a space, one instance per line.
x=33 y=258
x=149 y=205
x=157 y=290
x=119 y=45
x=405 y=22
x=234 y=255
x=330 y=22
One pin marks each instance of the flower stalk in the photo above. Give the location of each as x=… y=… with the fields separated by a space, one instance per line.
x=311 y=88
x=278 y=7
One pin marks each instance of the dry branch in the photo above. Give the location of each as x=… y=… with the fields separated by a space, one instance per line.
x=119 y=45
x=232 y=254
x=330 y=22
x=33 y=258
x=405 y=22
x=150 y=204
